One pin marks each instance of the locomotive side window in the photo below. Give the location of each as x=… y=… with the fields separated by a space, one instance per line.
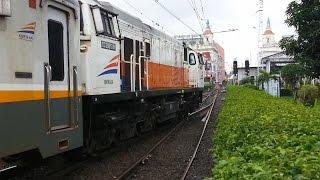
x=201 y=59
x=56 y=52
x=148 y=50
x=185 y=54
x=107 y=24
x=192 y=59
x=81 y=19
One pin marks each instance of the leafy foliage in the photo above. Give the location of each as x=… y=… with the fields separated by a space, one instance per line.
x=308 y=94
x=292 y=74
x=251 y=86
x=264 y=77
x=304 y=16
x=286 y=92
x=262 y=137
x=247 y=80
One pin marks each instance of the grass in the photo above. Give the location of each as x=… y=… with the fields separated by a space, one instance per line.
x=262 y=137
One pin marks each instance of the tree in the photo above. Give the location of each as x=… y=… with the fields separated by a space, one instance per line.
x=304 y=16
x=292 y=74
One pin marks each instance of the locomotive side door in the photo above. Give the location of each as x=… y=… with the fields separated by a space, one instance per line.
x=57 y=72
x=126 y=65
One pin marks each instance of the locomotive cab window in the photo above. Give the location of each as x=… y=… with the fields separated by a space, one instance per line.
x=192 y=59
x=56 y=52
x=108 y=26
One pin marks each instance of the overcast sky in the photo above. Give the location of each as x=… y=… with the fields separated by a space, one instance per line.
x=223 y=15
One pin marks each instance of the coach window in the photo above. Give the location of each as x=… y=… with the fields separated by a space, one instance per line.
x=192 y=59
x=108 y=23
x=56 y=54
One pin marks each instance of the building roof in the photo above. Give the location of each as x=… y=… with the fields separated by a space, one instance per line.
x=268 y=29
x=278 y=57
x=268 y=32
x=207 y=32
x=208 y=29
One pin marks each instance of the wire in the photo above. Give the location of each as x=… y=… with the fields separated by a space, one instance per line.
x=194 y=8
x=229 y=30
x=202 y=9
x=153 y=21
x=172 y=14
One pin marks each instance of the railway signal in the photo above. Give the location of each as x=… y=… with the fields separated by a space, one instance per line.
x=235 y=67
x=247 y=67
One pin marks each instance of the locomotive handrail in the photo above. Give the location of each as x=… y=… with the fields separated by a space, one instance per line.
x=140 y=75
x=47 y=78
x=75 y=97
x=131 y=74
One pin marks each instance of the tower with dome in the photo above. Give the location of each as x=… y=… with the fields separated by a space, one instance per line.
x=269 y=44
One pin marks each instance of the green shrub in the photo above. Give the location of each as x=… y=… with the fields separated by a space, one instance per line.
x=251 y=86
x=261 y=137
x=286 y=93
x=247 y=80
x=208 y=87
x=308 y=94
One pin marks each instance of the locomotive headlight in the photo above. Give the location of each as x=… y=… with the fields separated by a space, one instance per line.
x=5 y=8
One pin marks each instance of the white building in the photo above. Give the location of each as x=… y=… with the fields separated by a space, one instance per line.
x=242 y=74
x=212 y=52
x=269 y=44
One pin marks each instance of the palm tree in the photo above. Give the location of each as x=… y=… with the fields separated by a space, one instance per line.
x=265 y=77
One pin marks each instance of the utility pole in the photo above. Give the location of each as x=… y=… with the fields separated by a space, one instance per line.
x=260 y=29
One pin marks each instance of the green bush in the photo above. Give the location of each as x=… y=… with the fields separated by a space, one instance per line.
x=262 y=137
x=286 y=93
x=208 y=87
x=251 y=86
x=308 y=94
x=247 y=80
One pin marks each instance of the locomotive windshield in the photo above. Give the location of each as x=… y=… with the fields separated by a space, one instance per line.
x=192 y=59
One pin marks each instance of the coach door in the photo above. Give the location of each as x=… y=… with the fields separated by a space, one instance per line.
x=57 y=72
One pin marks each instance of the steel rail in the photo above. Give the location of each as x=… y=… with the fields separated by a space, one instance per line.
x=205 y=98
x=200 y=139
x=8 y=168
x=200 y=110
x=125 y=173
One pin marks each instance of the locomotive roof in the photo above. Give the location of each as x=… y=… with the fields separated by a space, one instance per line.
x=136 y=21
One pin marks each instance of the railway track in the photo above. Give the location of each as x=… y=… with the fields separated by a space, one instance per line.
x=126 y=173
x=207 y=118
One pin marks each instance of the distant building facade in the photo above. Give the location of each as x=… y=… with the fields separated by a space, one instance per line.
x=242 y=74
x=212 y=52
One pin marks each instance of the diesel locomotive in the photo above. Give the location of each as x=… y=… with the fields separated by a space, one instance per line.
x=85 y=74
